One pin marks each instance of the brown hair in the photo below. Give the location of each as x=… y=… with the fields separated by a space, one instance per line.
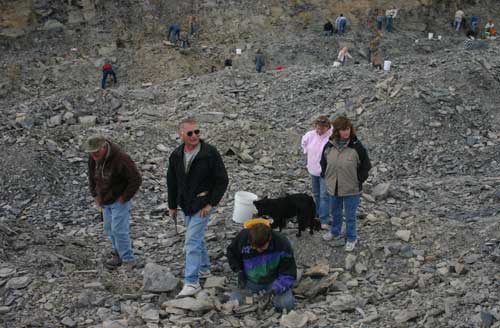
x=322 y=121
x=342 y=123
x=259 y=235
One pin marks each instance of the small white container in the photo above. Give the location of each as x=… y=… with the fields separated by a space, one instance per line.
x=244 y=208
x=387 y=65
x=431 y=36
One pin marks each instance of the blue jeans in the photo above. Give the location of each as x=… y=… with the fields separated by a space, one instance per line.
x=458 y=22
x=350 y=204
x=380 y=21
x=321 y=198
x=105 y=74
x=388 y=26
x=342 y=25
x=282 y=301
x=195 y=247
x=117 y=227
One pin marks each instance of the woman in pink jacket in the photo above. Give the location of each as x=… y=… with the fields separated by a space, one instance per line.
x=313 y=143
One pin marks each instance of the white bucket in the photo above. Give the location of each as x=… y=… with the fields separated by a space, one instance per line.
x=431 y=36
x=244 y=208
x=387 y=65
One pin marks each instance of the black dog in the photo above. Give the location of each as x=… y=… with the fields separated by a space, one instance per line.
x=301 y=206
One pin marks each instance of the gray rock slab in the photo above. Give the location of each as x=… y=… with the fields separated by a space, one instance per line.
x=158 y=279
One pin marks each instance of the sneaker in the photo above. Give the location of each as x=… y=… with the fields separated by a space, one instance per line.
x=204 y=274
x=350 y=245
x=189 y=290
x=325 y=226
x=114 y=262
x=328 y=236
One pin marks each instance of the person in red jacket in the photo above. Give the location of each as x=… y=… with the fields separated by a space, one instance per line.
x=107 y=69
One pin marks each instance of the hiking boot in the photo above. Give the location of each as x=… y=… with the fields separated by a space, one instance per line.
x=189 y=290
x=128 y=265
x=114 y=262
x=350 y=245
x=204 y=274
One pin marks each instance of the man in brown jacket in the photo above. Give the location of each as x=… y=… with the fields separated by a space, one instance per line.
x=114 y=180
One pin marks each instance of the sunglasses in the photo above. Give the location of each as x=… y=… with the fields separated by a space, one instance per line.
x=190 y=133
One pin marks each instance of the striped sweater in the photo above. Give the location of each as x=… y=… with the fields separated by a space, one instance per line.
x=276 y=265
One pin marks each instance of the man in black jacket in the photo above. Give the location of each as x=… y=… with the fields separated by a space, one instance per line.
x=196 y=181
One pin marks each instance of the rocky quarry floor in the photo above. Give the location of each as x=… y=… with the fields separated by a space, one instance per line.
x=429 y=251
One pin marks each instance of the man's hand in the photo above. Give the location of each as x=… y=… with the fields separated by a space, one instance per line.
x=121 y=200
x=205 y=210
x=172 y=212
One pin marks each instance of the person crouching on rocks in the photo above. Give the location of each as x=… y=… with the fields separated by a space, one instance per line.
x=114 y=179
x=265 y=263
x=344 y=165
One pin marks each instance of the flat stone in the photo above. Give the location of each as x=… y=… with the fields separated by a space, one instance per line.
x=190 y=304
x=211 y=117
x=215 y=282
x=343 y=302
x=350 y=260
x=115 y=324
x=471 y=259
x=87 y=120
x=94 y=285
x=151 y=315
x=319 y=270
x=68 y=322
x=18 y=282
x=7 y=272
x=403 y=234
x=381 y=191
x=405 y=316
x=158 y=279
x=4 y=309
x=294 y=320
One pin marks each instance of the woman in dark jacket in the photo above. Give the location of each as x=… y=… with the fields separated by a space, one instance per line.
x=344 y=165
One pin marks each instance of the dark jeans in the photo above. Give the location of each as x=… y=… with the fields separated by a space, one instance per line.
x=388 y=26
x=105 y=74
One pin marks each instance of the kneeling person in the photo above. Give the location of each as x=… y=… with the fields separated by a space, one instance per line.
x=264 y=261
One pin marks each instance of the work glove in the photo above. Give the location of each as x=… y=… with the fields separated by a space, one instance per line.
x=242 y=280
x=278 y=288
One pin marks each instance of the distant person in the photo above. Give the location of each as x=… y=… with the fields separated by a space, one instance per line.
x=374 y=44
x=328 y=28
x=113 y=179
x=264 y=261
x=344 y=166
x=343 y=54
x=259 y=61
x=389 y=18
x=380 y=21
x=490 y=28
x=473 y=23
x=341 y=23
x=107 y=69
x=459 y=17
x=313 y=143
x=173 y=33
x=193 y=26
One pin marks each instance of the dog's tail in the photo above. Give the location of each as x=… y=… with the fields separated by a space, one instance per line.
x=312 y=208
